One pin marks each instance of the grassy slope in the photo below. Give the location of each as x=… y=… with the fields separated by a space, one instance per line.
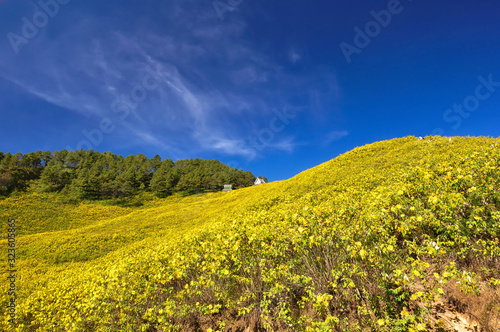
x=369 y=239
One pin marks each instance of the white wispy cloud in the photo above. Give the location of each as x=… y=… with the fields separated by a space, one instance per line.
x=217 y=88
x=334 y=136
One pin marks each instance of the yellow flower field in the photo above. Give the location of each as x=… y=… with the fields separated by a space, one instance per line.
x=371 y=240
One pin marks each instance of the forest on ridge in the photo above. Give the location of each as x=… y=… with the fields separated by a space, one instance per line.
x=92 y=175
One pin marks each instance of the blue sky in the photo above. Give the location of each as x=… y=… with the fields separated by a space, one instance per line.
x=272 y=87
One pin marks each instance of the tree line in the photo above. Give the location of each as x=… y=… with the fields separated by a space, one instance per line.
x=88 y=174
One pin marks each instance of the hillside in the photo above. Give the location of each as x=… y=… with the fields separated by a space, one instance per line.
x=399 y=235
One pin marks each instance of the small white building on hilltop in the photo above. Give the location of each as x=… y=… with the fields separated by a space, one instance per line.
x=259 y=181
